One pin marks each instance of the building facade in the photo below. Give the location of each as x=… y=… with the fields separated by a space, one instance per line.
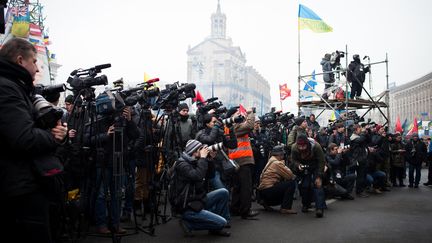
x=218 y=68
x=413 y=99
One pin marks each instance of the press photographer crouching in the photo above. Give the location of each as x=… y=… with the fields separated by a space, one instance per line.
x=308 y=164
x=277 y=183
x=24 y=204
x=199 y=210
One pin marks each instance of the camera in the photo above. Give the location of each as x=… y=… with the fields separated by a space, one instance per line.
x=170 y=97
x=47 y=114
x=49 y=89
x=82 y=79
x=237 y=119
x=210 y=104
x=215 y=147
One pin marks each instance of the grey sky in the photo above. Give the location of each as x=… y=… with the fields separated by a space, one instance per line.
x=153 y=36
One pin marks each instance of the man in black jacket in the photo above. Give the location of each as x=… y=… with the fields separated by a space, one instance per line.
x=356 y=76
x=23 y=204
x=200 y=210
x=416 y=152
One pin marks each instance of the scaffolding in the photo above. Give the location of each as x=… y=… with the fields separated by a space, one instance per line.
x=348 y=104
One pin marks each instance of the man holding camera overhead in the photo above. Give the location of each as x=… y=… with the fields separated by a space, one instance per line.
x=243 y=155
x=23 y=203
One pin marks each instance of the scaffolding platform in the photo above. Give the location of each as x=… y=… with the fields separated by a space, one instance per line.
x=341 y=104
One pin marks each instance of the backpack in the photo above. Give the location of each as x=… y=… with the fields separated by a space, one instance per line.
x=177 y=198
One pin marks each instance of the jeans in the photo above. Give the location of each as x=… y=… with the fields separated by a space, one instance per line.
x=310 y=193
x=106 y=184
x=377 y=178
x=216 y=181
x=215 y=214
x=281 y=193
x=417 y=169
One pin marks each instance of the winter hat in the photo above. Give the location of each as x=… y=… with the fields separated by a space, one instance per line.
x=183 y=106
x=299 y=120
x=378 y=127
x=302 y=140
x=278 y=150
x=414 y=135
x=192 y=146
x=69 y=99
x=231 y=111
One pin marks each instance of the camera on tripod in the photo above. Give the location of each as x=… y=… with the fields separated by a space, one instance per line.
x=210 y=104
x=335 y=58
x=170 y=97
x=82 y=79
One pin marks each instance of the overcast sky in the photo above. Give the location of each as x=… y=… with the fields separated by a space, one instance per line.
x=138 y=36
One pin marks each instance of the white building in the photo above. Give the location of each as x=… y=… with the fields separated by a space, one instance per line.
x=219 y=70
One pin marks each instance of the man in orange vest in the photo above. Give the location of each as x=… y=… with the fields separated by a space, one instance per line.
x=243 y=155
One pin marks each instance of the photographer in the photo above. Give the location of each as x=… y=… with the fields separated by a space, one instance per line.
x=356 y=75
x=358 y=158
x=212 y=134
x=328 y=76
x=277 y=183
x=299 y=128
x=398 y=161
x=243 y=155
x=313 y=124
x=416 y=154
x=200 y=210
x=308 y=163
x=23 y=202
x=186 y=126
x=260 y=147
x=338 y=171
x=102 y=139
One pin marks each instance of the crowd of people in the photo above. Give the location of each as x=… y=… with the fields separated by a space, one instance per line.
x=218 y=162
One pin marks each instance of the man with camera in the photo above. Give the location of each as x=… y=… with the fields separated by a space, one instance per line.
x=23 y=203
x=328 y=76
x=213 y=133
x=356 y=75
x=277 y=183
x=338 y=172
x=308 y=163
x=186 y=126
x=299 y=128
x=188 y=195
x=416 y=155
x=243 y=155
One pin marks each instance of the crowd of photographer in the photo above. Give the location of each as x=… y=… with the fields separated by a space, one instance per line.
x=106 y=159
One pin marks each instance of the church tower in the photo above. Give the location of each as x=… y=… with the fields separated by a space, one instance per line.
x=218 y=24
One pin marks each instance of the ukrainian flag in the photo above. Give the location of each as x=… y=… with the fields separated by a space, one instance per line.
x=307 y=19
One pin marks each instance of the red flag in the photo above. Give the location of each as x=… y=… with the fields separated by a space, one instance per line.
x=398 y=127
x=198 y=97
x=284 y=91
x=414 y=129
x=242 y=111
x=35 y=30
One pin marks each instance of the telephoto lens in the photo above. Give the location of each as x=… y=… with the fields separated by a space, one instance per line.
x=215 y=147
x=237 y=119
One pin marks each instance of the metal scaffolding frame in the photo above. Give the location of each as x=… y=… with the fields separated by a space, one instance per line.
x=335 y=104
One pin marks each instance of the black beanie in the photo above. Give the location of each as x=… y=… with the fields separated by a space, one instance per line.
x=231 y=111
x=183 y=106
x=299 y=120
x=69 y=99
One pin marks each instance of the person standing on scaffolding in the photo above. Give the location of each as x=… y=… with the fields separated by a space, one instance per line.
x=356 y=76
x=328 y=76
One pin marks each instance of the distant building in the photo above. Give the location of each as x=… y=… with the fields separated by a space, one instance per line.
x=413 y=99
x=219 y=70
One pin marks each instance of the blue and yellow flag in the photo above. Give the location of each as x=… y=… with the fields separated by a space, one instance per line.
x=307 y=19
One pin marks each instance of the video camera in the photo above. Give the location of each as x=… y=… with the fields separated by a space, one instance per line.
x=170 y=97
x=82 y=79
x=210 y=104
x=335 y=58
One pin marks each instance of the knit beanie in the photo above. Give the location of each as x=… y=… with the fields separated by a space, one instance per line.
x=192 y=146
x=183 y=106
x=278 y=150
x=299 y=120
x=69 y=99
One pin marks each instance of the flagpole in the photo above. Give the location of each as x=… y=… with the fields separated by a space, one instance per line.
x=298 y=83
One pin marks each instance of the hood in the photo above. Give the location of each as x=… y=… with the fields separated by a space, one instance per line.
x=323 y=61
x=17 y=74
